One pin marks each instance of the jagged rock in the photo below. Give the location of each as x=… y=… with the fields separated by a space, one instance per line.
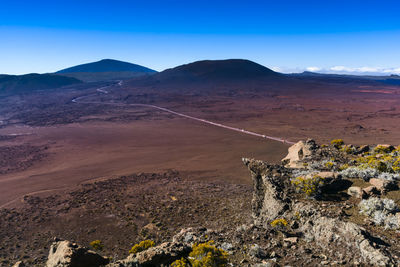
x=161 y=255
x=355 y=191
x=19 y=264
x=67 y=254
x=299 y=151
x=270 y=191
x=329 y=232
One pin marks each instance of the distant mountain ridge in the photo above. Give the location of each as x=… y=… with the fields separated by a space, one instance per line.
x=107 y=65
x=33 y=82
x=334 y=77
x=105 y=70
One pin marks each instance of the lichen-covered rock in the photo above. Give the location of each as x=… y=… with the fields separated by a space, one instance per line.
x=68 y=254
x=333 y=232
x=270 y=184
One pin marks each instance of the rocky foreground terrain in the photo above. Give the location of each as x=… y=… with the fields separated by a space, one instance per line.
x=334 y=205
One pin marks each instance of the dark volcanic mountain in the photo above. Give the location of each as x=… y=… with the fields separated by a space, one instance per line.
x=217 y=70
x=32 y=82
x=106 y=69
x=215 y=75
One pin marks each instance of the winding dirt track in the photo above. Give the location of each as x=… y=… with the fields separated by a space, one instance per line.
x=102 y=90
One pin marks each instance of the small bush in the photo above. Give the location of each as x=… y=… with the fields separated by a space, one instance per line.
x=309 y=186
x=97 y=245
x=357 y=172
x=344 y=166
x=337 y=143
x=383 y=149
x=279 y=223
x=396 y=165
x=141 y=246
x=389 y=176
x=204 y=255
x=180 y=263
x=329 y=165
x=348 y=149
x=381 y=211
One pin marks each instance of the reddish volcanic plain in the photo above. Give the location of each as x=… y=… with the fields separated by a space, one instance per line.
x=51 y=147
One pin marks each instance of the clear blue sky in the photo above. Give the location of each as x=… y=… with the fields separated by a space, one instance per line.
x=327 y=36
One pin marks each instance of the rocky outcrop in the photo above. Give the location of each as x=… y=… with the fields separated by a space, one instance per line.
x=274 y=198
x=298 y=152
x=162 y=255
x=68 y=254
x=333 y=233
x=270 y=196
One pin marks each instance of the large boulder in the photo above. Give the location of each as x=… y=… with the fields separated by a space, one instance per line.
x=298 y=152
x=68 y=254
x=270 y=193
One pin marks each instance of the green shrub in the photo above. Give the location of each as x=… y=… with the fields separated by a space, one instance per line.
x=141 y=246
x=279 y=223
x=337 y=143
x=348 y=149
x=309 y=186
x=97 y=245
x=329 y=165
x=383 y=149
x=207 y=255
x=204 y=255
x=396 y=165
x=180 y=263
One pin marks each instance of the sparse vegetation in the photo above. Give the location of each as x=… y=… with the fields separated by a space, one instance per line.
x=204 y=255
x=279 y=223
x=329 y=164
x=143 y=245
x=180 y=263
x=309 y=185
x=381 y=211
x=337 y=143
x=97 y=245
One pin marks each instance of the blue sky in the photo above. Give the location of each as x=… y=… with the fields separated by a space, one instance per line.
x=288 y=36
